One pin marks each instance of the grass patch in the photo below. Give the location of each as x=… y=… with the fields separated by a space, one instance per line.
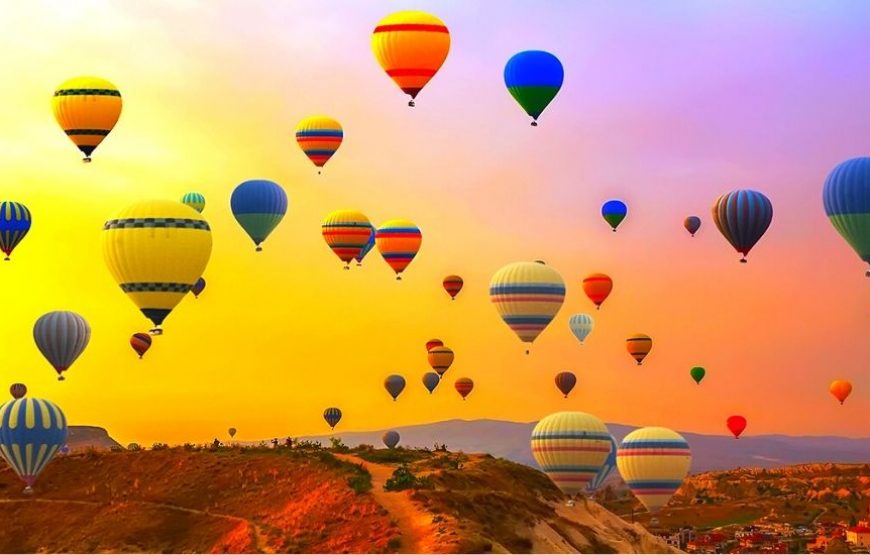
x=394 y=456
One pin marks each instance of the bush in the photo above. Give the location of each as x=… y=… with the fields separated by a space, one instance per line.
x=307 y=444
x=361 y=482
x=157 y=446
x=338 y=446
x=190 y=447
x=134 y=447
x=394 y=543
x=403 y=479
x=116 y=448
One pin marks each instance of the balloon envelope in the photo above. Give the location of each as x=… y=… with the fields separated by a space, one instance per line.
x=581 y=326
x=87 y=109
x=570 y=448
x=332 y=416
x=464 y=386
x=614 y=211
x=61 y=337
x=394 y=385
x=140 y=342
x=533 y=78
x=319 y=138
x=18 y=390
x=347 y=232
x=692 y=224
x=431 y=381
x=390 y=439
x=846 y=196
x=653 y=463
x=742 y=217
x=453 y=285
x=259 y=206
x=638 y=346
x=194 y=200
x=31 y=432
x=840 y=389
x=15 y=220
x=597 y=287
x=198 y=287
x=606 y=468
x=433 y=343
x=566 y=381
x=527 y=296
x=368 y=246
x=697 y=373
x=440 y=359
x=398 y=241
x=736 y=424
x=232 y=432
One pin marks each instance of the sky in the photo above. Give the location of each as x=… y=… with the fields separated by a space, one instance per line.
x=665 y=105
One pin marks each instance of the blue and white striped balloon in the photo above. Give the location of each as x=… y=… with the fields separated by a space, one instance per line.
x=608 y=467
x=581 y=325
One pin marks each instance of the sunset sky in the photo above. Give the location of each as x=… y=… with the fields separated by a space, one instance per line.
x=665 y=105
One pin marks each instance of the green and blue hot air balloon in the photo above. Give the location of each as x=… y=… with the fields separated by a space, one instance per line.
x=534 y=77
x=31 y=432
x=846 y=195
x=259 y=206
x=614 y=211
x=194 y=200
x=14 y=224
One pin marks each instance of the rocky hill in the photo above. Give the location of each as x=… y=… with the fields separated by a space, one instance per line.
x=82 y=438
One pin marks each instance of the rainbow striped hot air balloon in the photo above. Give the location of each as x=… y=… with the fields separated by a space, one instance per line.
x=87 y=109
x=527 y=295
x=194 y=200
x=31 y=432
x=571 y=448
x=346 y=232
x=846 y=196
x=398 y=241
x=453 y=285
x=15 y=222
x=653 y=462
x=319 y=138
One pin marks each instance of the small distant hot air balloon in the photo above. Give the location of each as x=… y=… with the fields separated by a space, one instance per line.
x=581 y=326
x=194 y=200
x=597 y=287
x=31 y=432
x=15 y=220
x=464 y=386
x=736 y=424
x=346 y=232
x=232 y=432
x=614 y=211
x=368 y=246
x=398 y=241
x=840 y=389
x=411 y=47
x=319 y=138
x=692 y=224
x=394 y=384
x=606 y=468
x=432 y=343
x=332 y=416
x=527 y=296
x=61 y=337
x=64 y=450
x=87 y=109
x=697 y=374
x=259 y=206
x=440 y=359
x=533 y=78
x=390 y=439
x=638 y=346
x=566 y=381
x=742 y=217
x=653 y=463
x=198 y=287
x=140 y=342
x=18 y=390
x=846 y=196
x=431 y=381
x=453 y=285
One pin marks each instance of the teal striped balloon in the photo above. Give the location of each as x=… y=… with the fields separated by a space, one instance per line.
x=194 y=200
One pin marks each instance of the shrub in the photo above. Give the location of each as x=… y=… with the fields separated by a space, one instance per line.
x=157 y=446
x=307 y=444
x=190 y=447
x=134 y=447
x=338 y=446
x=394 y=543
x=116 y=448
x=403 y=479
x=361 y=482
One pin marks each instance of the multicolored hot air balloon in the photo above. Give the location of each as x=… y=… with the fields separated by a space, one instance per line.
x=140 y=342
x=464 y=386
x=346 y=232
x=411 y=47
x=432 y=343
x=736 y=424
x=597 y=287
x=394 y=384
x=840 y=389
x=533 y=77
x=527 y=296
x=390 y=439
x=319 y=138
x=18 y=390
x=571 y=448
x=15 y=220
x=31 y=432
x=61 y=337
x=692 y=224
x=259 y=206
x=581 y=326
x=198 y=287
x=613 y=212
x=638 y=346
x=87 y=109
x=742 y=217
x=653 y=463
x=156 y=250
x=846 y=196
x=566 y=381
x=398 y=242
x=697 y=374
x=440 y=359
x=332 y=415
x=232 y=432
x=606 y=468
x=194 y=200
x=453 y=285
x=367 y=248
x=431 y=381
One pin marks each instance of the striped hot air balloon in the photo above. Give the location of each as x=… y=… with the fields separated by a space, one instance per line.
x=194 y=200
x=398 y=242
x=608 y=467
x=692 y=224
x=597 y=287
x=15 y=220
x=571 y=448
x=411 y=47
x=533 y=78
x=846 y=196
x=368 y=246
x=259 y=206
x=440 y=359
x=346 y=232
x=87 y=109
x=18 y=390
x=61 y=336
x=394 y=384
x=742 y=217
x=332 y=415
x=31 y=432
x=319 y=138
x=431 y=381
x=653 y=463
x=140 y=342
x=453 y=285
x=565 y=382
x=638 y=346
x=464 y=386
x=527 y=296
x=198 y=287
x=390 y=439
x=581 y=326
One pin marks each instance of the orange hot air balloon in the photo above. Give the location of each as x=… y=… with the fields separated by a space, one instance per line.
x=841 y=389
x=597 y=287
x=398 y=242
x=736 y=424
x=440 y=359
x=453 y=285
x=639 y=345
x=464 y=386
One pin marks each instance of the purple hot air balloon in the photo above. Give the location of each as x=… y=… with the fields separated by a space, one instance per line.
x=742 y=217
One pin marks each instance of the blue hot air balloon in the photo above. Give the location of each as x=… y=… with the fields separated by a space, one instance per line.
x=332 y=415
x=390 y=439
x=14 y=224
x=614 y=211
x=608 y=467
x=742 y=217
x=533 y=78
x=394 y=384
x=31 y=432
x=846 y=195
x=366 y=249
x=259 y=206
x=431 y=381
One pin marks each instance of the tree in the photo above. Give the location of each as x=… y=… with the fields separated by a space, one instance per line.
x=837 y=546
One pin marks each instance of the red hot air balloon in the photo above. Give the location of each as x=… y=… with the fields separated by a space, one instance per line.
x=566 y=381
x=736 y=424
x=597 y=287
x=432 y=343
x=140 y=342
x=453 y=285
x=464 y=386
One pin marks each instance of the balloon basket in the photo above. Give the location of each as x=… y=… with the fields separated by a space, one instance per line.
x=28 y=490
x=411 y=103
x=258 y=249
x=86 y=160
x=534 y=124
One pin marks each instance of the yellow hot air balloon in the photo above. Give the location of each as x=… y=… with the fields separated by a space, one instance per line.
x=638 y=346
x=87 y=108
x=319 y=138
x=156 y=250
x=653 y=463
x=411 y=46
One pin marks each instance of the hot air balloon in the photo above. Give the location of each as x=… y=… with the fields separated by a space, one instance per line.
x=232 y=432
x=432 y=343
x=398 y=242
x=571 y=447
x=259 y=206
x=194 y=200
x=614 y=211
x=198 y=287
x=841 y=389
x=533 y=77
x=606 y=468
x=367 y=248
x=15 y=222
x=846 y=196
x=411 y=46
x=61 y=337
x=332 y=416
x=156 y=250
x=736 y=424
x=697 y=374
x=581 y=326
x=653 y=463
x=64 y=450
x=527 y=295
x=566 y=381
x=597 y=287
x=440 y=359
x=394 y=384
x=431 y=381
x=346 y=232
x=742 y=217
x=464 y=386
x=31 y=432
x=140 y=342
x=453 y=285
x=390 y=439
x=18 y=390
x=638 y=346
x=87 y=108
x=692 y=224
x=319 y=138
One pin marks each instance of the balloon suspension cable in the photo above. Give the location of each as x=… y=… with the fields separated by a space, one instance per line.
x=534 y=124
x=411 y=103
x=86 y=159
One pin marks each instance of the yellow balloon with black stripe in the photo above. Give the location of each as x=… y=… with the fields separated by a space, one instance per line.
x=156 y=250
x=87 y=109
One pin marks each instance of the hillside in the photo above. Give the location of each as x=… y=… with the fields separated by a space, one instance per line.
x=82 y=438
